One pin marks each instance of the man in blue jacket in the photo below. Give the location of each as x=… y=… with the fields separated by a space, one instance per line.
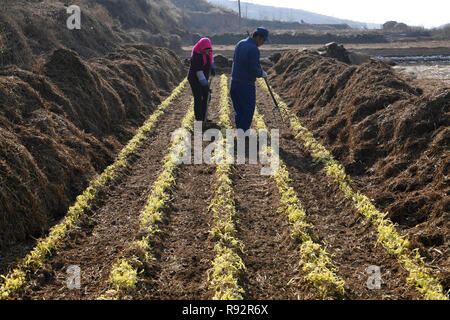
x=246 y=68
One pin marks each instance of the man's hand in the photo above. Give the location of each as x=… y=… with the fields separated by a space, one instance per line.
x=264 y=75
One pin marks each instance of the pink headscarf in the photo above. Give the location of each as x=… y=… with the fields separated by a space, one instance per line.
x=203 y=44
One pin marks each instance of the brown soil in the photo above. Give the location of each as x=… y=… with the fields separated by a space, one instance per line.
x=391 y=135
x=112 y=221
x=346 y=236
x=64 y=122
x=184 y=249
x=71 y=99
x=270 y=254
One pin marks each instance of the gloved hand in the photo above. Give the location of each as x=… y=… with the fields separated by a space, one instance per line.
x=264 y=74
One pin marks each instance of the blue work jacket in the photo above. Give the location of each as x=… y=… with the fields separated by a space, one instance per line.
x=246 y=65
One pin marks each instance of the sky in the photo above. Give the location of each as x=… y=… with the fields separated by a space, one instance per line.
x=427 y=13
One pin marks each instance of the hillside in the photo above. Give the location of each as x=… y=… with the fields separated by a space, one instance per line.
x=262 y=12
x=31 y=29
x=204 y=18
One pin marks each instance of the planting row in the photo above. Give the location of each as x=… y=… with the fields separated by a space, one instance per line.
x=45 y=247
x=420 y=276
x=125 y=272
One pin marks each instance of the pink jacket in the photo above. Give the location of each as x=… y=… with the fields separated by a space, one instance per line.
x=203 y=44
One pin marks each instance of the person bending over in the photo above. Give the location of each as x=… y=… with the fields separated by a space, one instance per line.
x=202 y=65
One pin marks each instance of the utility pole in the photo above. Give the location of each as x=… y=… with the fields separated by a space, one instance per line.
x=239 y=3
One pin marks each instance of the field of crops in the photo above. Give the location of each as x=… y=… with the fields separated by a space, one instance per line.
x=151 y=227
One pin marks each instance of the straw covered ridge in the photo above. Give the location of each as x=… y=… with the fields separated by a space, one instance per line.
x=391 y=135
x=64 y=122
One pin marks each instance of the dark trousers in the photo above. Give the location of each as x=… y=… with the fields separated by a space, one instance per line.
x=200 y=101
x=243 y=96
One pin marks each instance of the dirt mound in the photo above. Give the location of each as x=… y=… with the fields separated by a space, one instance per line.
x=222 y=63
x=391 y=136
x=275 y=57
x=63 y=122
x=333 y=50
x=158 y=23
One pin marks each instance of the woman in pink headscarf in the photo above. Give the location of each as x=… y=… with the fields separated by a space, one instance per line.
x=202 y=65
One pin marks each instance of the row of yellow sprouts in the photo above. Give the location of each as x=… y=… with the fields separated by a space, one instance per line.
x=420 y=276
x=124 y=274
x=316 y=263
x=34 y=260
x=227 y=265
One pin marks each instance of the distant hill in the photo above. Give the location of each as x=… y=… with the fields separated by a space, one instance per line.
x=203 y=17
x=260 y=12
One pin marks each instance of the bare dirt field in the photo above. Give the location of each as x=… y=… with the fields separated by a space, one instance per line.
x=420 y=60
x=406 y=48
x=183 y=250
x=426 y=72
